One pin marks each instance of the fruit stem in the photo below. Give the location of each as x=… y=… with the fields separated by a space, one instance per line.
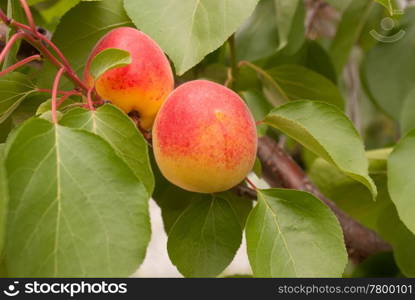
x=251 y=183
x=264 y=74
x=9 y=45
x=20 y=63
x=55 y=92
x=89 y=99
x=64 y=97
x=28 y=14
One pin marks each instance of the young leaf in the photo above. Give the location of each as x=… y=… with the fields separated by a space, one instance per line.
x=326 y=132
x=120 y=132
x=109 y=59
x=75 y=41
x=4 y=197
x=205 y=237
x=192 y=29
x=401 y=181
x=289 y=232
x=14 y=88
x=76 y=209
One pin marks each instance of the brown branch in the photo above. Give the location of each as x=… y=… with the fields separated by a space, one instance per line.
x=279 y=169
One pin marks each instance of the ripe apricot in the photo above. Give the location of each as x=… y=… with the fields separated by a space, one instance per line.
x=141 y=86
x=204 y=138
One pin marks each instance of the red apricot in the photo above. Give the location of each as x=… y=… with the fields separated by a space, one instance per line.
x=204 y=138
x=141 y=86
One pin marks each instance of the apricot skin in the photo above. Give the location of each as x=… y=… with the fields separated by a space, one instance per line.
x=204 y=138
x=144 y=84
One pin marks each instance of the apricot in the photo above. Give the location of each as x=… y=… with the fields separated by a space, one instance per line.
x=141 y=86
x=204 y=138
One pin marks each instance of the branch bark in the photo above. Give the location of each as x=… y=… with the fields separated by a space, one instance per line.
x=280 y=170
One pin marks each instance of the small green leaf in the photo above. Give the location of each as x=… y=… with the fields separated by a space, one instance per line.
x=109 y=59
x=205 y=237
x=120 y=132
x=14 y=88
x=401 y=181
x=289 y=232
x=326 y=132
x=76 y=209
x=191 y=30
x=258 y=168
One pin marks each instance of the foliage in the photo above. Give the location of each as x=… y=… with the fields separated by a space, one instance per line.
x=76 y=173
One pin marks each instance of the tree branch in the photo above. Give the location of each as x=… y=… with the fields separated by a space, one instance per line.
x=279 y=169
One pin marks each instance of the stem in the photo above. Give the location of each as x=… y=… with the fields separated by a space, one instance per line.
x=70 y=74
x=10 y=44
x=28 y=14
x=264 y=74
x=20 y=63
x=89 y=99
x=55 y=92
x=251 y=183
x=63 y=98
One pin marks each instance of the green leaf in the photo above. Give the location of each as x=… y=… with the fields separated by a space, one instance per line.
x=205 y=237
x=270 y=28
x=4 y=197
x=76 y=209
x=191 y=30
x=289 y=232
x=403 y=241
x=119 y=131
x=286 y=11
x=57 y=10
x=388 y=5
x=109 y=59
x=352 y=196
x=301 y=83
x=14 y=88
x=259 y=107
x=401 y=181
x=407 y=119
x=348 y=31
x=78 y=32
x=326 y=132
x=379 y=265
x=386 y=63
